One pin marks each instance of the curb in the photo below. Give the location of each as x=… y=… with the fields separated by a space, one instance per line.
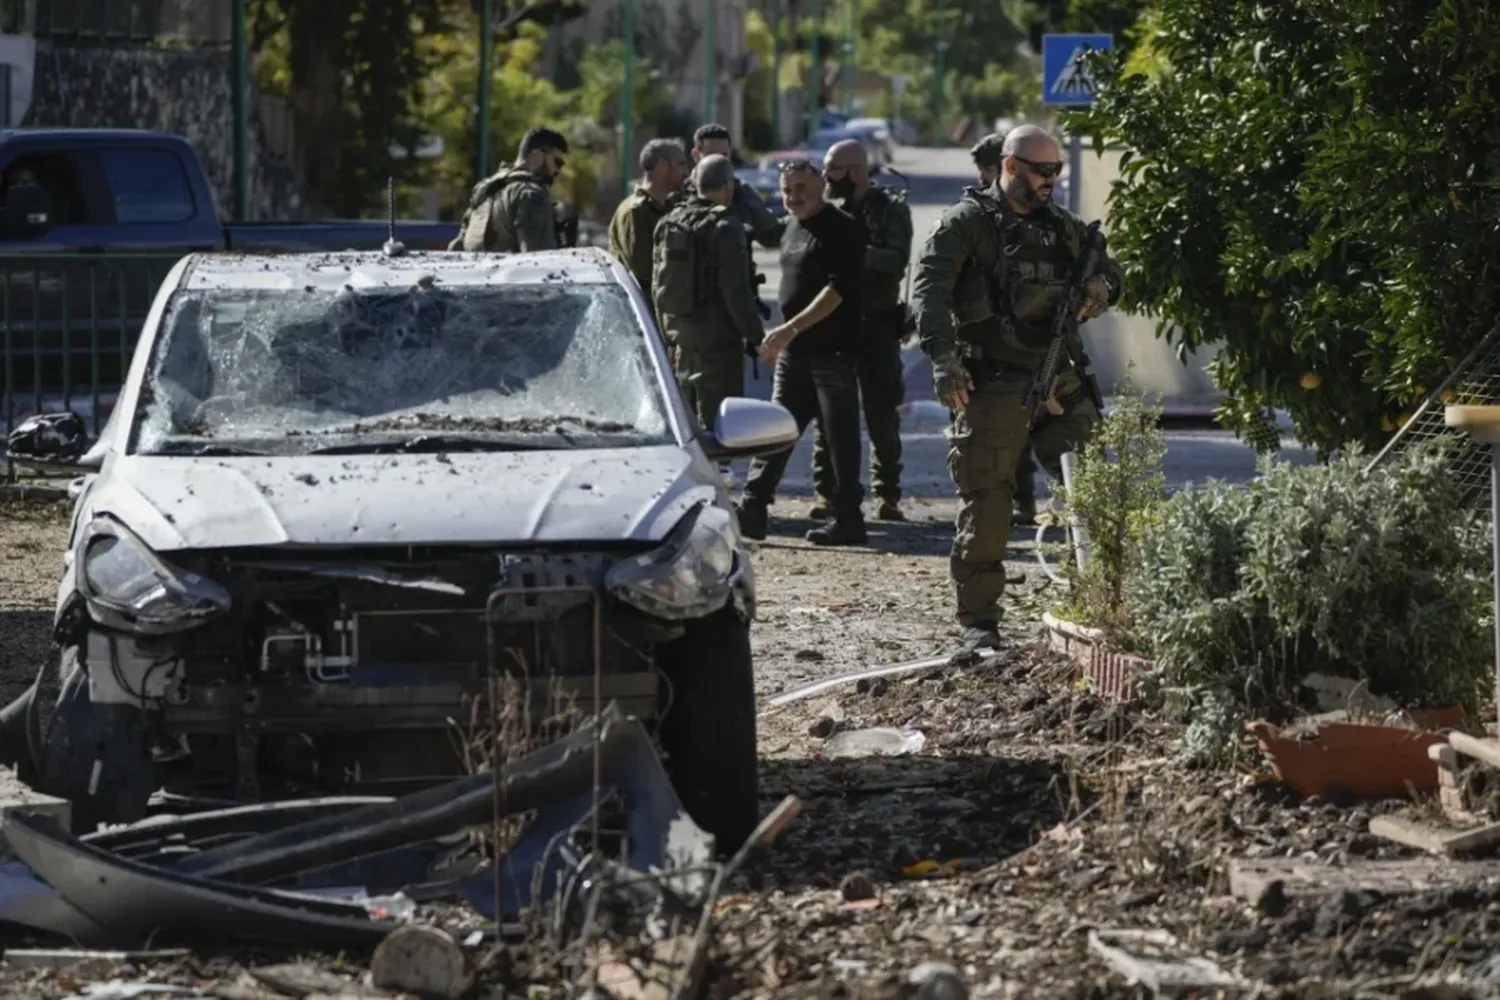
x=1114 y=675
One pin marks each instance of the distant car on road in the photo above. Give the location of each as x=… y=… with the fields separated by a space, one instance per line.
x=339 y=490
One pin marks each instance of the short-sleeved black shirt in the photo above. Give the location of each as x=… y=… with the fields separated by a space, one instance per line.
x=828 y=248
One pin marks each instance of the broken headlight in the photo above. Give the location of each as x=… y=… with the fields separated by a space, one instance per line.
x=129 y=587
x=689 y=575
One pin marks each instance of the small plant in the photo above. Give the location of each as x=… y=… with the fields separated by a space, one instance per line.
x=1382 y=578
x=1116 y=497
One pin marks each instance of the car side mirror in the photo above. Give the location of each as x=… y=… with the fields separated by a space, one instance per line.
x=27 y=213
x=750 y=427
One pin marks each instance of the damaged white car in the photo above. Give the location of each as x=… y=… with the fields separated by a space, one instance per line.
x=337 y=491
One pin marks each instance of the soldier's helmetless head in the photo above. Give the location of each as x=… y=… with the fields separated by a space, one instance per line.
x=543 y=152
x=714 y=178
x=664 y=163
x=1029 y=171
x=987 y=154
x=846 y=168
x=711 y=140
x=801 y=188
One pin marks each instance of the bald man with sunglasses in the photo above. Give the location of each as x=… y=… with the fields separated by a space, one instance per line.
x=987 y=281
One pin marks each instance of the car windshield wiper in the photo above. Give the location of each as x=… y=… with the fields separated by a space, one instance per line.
x=428 y=444
x=209 y=450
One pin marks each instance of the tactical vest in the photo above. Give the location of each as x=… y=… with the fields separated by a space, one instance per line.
x=683 y=261
x=480 y=229
x=1031 y=271
x=881 y=290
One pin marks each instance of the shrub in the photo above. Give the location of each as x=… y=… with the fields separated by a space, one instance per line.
x=1118 y=489
x=1245 y=591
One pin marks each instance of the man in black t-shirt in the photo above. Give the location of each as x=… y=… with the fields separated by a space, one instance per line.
x=815 y=351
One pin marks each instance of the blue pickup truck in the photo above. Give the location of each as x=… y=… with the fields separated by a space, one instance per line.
x=98 y=216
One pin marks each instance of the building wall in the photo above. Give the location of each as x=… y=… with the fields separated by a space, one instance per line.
x=153 y=64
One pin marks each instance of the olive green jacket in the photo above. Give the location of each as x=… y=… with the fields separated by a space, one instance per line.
x=729 y=322
x=510 y=212
x=888 y=233
x=630 y=234
x=955 y=293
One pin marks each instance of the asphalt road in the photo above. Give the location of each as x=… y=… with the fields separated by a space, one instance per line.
x=936 y=178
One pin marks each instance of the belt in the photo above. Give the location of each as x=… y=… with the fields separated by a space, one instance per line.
x=973 y=352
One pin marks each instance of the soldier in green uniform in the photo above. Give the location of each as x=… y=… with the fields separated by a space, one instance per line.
x=987 y=156
x=760 y=225
x=512 y=211
x=664 y=166
x=700 y=279
x=888 y=230
x=987 y=280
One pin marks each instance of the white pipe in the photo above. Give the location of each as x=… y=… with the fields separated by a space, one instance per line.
x=1080 y=540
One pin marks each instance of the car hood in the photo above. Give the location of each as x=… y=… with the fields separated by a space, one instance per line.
x=594 y=495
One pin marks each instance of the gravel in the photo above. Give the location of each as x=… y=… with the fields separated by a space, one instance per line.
x=1032 y=813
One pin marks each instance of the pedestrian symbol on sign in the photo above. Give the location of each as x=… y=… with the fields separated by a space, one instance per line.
x=1075 y=80
x=1066 y=78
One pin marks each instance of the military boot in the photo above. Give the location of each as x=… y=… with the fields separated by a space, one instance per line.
x=753 y=517
x=979 y=638
x=822 y=510
x=890 y=510
x=849 y=530
x=1025 y=512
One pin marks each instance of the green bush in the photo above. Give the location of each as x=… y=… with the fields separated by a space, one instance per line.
x=1310 y=186
x=1245 y=591
x=1118 y=488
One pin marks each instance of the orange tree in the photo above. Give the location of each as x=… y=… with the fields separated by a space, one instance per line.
x=1311 y=185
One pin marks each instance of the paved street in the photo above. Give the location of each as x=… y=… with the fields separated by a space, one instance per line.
x=936 y=179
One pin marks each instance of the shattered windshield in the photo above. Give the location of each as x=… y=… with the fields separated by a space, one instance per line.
x=493 y=367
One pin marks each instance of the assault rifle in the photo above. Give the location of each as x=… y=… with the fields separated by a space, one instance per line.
x=1041 y=395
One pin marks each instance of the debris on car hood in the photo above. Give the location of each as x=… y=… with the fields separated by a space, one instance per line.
x=341 y=874
x=617 y=494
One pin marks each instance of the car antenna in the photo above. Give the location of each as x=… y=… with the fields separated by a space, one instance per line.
x=392 y=247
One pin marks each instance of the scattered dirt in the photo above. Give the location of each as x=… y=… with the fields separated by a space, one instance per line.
x=1033 y=812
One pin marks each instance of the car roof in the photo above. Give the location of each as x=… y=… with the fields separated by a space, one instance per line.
x=375 y=269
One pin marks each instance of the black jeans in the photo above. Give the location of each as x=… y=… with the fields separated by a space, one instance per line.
x=823 y=388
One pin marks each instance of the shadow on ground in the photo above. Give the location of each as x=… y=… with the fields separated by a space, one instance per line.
x=882 y=815
x=25 y=644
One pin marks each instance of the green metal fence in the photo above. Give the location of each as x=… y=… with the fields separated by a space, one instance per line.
x=87 y=20
x=70 y=324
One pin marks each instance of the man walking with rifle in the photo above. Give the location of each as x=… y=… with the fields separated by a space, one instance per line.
x=1002 y=283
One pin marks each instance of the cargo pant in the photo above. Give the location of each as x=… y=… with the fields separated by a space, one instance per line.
x=985 y=442
x=882 y=390
x=707 y=378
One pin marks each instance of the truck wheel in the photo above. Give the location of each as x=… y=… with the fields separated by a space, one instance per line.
x=708 y=731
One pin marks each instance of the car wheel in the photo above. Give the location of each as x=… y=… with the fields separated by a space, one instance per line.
x=708 y=730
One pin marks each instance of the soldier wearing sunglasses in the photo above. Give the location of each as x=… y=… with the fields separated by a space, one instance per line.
x=987 y=279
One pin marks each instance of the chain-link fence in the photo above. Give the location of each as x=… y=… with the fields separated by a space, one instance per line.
x=1475 y=381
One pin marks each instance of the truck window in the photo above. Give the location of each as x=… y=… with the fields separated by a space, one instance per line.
x=148 y=186
x=57 y=174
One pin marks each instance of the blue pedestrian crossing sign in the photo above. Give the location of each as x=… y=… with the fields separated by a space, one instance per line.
x=1065 y=78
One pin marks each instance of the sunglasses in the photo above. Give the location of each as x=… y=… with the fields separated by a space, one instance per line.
x=798 y=167
x=1051 y=169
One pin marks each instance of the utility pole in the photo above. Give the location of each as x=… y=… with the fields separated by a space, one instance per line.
x=486 y=40
x=710 y=91
x=776 y=73
x=939 y=88
x=627 y=101
x=851 y=16
x=815 y=71
x=240 y=103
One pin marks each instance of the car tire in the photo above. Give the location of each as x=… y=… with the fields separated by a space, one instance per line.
x=709 y=728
